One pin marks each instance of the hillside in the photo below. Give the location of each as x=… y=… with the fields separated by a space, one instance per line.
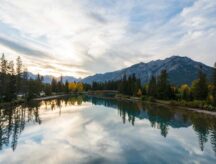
x=180 y=70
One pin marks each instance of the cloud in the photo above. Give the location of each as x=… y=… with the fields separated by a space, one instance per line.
x=97 y=17
x=99 y=36
x=22 y=48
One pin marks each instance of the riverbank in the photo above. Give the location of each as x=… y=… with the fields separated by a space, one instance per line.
x=12 y=103
x=161 y=102
x=120 y=98
x=50 y=97
x=20 y=101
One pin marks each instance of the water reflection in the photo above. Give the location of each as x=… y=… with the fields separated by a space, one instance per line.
x=162 y=117
x=14 y=119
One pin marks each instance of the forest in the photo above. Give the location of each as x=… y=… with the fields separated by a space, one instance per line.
x=15 y=83
x=200 y=94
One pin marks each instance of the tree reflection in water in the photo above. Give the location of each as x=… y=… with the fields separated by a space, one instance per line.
x=14 y=119
x=162 y=117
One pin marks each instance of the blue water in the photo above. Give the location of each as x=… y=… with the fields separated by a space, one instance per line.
x=97 y=130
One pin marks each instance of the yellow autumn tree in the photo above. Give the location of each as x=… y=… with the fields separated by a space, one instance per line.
x=72 y=87
x=75 y=87
x=79 y=87
x=139 y=93
x=185 y=91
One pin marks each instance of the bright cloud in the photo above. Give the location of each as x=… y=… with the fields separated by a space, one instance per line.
x=84 y=37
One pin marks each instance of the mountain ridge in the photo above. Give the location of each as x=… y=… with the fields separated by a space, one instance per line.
x=48 y=78
x=181 y=69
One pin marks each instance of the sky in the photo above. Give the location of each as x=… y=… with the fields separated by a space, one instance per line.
x=84 y=37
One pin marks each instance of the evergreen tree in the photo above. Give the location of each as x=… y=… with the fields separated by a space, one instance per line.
x=11 y=87
x=33 y=89
x=3 y=77
x=214 y=85
x=152 y=87
x=66 y=87
x=94 y=85
x=39 y=84
x=163 y=86
x=54 y=85
x=18 y=74
x=134 y=85
x=3 y=65
x=122 y=87
x=47 y=89
x=200 y=86
x=60 y=84
x=25 y=82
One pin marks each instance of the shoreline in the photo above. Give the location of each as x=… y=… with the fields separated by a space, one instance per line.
x=50 y=97
x=197 y=110
x=12 y=103
x=119 y=98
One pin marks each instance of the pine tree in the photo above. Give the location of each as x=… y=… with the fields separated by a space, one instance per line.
x=200 y=86
x=130 y=86
x=54 y=85
x=39 y=84
x=3 y=77
x=25 y=81
x=18 y=74
x=214 y=85
x=60 y=84
x=163 y=86
x=66 y=87
x=3 y=65
x=10 y=87
x=122 y=87
x=152 y=87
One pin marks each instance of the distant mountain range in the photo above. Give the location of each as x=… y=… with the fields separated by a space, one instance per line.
x=180 y=70
x=48 y=78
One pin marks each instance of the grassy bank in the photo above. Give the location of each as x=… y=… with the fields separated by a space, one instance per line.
x=195 y=105
x=200 y=105
x=203 y=105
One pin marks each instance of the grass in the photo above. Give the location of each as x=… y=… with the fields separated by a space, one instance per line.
x=204 y=105
x=196 y=104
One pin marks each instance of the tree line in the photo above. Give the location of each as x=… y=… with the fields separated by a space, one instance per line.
x=159 y=87
x=130 y=85
x=16 y=83
x=201 y=88
x=11 y=79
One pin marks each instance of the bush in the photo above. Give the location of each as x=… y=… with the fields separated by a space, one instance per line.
x=148 y=98
x=210 y=99
x=194 y=104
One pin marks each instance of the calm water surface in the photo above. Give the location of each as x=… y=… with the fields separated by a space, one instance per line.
x=96 y=130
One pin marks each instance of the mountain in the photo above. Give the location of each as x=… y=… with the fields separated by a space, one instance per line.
x=180 y=70
x=48 y=78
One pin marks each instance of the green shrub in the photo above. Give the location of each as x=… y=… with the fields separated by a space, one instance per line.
x=194 y=104
x=148 y=98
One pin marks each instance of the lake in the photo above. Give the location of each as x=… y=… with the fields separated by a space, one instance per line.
x=97 y=130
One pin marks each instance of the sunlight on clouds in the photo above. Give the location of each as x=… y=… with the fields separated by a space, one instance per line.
x=84 y=37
